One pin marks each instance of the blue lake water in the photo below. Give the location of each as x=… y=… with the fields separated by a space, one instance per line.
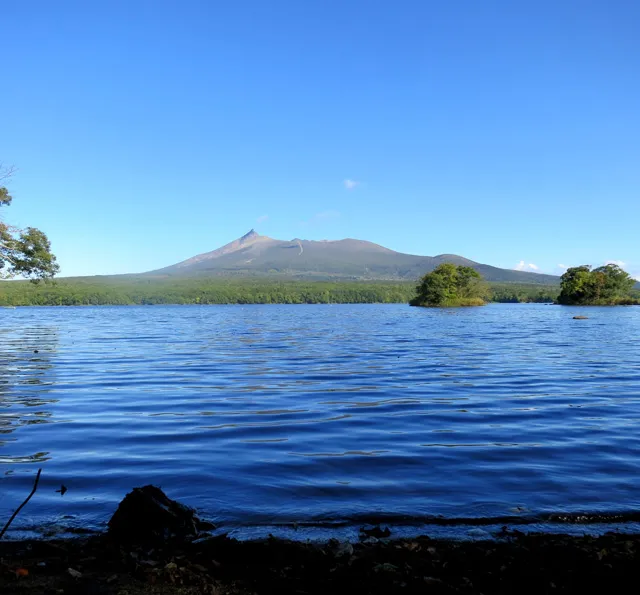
x=261 y=416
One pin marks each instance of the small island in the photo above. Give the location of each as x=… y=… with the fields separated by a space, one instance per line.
x=608 y=285
x=450 y=285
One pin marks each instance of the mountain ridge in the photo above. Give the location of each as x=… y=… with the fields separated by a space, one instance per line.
x=349 y=259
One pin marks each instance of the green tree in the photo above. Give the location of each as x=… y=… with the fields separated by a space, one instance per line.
x=614 y=282
x=576 y=285
x=605 y=285
x=451 y=285
x=23 y=252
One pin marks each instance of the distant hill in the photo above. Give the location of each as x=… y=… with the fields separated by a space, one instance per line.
x=255 y=255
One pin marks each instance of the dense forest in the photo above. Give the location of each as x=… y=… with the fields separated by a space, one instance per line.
x=143 y=290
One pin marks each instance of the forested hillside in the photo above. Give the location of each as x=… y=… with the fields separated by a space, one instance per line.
x=123 y=290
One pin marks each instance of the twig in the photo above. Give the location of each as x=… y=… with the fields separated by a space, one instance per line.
x=6 y=171
x=15 y=514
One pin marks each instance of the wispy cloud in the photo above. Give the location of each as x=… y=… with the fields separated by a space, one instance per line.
x=564 y=267
x=351 y=184
x=618 y=262
x=262 y=218
x=523 y=266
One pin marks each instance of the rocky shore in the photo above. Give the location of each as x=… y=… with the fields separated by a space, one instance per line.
x=163 y=549
x=516 y=563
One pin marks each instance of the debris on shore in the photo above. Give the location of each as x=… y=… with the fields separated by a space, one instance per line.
x=184 y=562
x=518 y=563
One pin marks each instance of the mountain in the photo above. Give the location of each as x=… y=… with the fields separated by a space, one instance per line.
x=256 y=255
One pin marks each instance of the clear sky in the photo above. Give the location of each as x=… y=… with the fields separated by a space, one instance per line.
x=149 y=131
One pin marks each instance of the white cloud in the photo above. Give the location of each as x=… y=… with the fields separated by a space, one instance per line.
x=351 y=184
x=262 y=218
x=523 y=266
x=564 y=267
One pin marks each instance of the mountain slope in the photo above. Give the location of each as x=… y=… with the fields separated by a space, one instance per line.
x=256 y=255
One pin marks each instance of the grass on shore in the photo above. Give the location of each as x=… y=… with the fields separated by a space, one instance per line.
x=620 y=301
x=458 y=303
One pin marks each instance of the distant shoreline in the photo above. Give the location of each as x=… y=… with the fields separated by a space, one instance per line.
x=143 y=291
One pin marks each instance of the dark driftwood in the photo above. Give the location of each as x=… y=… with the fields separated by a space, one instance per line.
x=15 y=514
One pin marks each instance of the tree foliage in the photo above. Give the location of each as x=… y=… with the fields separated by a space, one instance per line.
x=451 y=285
x=130 y=290
x=23 y=252
x=146 y=291
x=605 y=285
x=523 y=293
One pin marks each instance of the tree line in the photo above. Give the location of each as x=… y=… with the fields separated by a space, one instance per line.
x=140 y=290
x=76 y=292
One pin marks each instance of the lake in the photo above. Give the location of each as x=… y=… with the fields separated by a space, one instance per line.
x=267 y=418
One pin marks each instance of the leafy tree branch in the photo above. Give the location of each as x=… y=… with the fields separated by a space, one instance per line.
x=23 y=252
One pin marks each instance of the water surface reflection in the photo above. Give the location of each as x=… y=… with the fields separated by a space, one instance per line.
x=269 y=415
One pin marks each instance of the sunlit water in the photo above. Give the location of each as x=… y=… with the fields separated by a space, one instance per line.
x=266 y=416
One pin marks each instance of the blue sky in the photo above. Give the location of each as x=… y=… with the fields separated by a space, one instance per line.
x=149 y=131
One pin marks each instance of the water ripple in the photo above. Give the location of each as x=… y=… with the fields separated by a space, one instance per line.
x=271 y=415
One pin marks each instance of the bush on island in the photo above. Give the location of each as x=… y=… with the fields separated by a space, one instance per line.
x=608 y=285
x=451 y=285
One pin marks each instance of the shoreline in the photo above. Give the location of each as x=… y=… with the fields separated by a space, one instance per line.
x=515 y=562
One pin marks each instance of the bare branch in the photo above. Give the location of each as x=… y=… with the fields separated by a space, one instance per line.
x=15 y=514
x=6 y=171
